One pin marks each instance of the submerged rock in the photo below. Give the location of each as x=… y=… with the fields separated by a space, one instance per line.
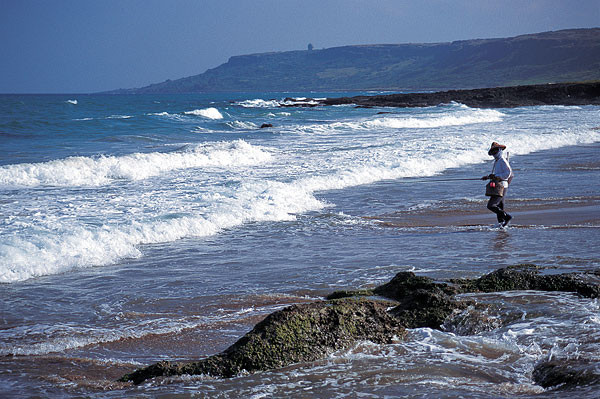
x=298 y=333
x=585 y=93
x=566 y=374
x=473 y=320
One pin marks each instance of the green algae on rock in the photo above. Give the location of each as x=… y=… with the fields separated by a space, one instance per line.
x=308 y=332
x=528 y=277
x=298 y=333
x=422 y=302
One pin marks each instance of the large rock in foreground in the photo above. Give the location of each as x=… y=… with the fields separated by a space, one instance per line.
x=308 y=332
x=298 y=333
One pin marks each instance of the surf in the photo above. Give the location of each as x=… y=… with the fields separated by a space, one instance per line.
x=102 y=170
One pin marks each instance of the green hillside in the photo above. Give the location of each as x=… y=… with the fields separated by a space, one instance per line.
x=567 y=55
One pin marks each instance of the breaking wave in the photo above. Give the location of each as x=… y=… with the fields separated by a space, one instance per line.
x=431 y=121
x=210 y=113
x=90 y=171
x=459 y=116
x=367 y=150
x=255 y=200
x=260 y=103
x=241 y=125
x=60 y=250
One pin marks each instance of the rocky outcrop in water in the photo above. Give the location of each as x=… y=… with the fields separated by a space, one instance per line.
x=298 y=333
x=495 y=97
x=308 y=332
x=529 y=277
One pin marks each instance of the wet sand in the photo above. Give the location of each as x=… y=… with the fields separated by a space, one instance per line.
x=524 y=216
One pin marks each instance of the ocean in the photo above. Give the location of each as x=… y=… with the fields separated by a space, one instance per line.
x=139 y=228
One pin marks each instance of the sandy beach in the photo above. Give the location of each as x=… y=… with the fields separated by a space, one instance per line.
x=564 y=215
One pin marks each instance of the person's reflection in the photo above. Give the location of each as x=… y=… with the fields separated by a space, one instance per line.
x=501 y=242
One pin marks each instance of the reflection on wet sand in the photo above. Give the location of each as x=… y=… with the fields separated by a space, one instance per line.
x=563 y=215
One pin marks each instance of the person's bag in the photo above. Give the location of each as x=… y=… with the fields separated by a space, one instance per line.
x=494 y=188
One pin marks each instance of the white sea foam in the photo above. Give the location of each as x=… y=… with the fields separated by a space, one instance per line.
x=242 y=125
x=74 y=102
x=430 y=121
x=299 y=101
x=106 y=117
x=256 y=200
x=210 y=113
x=119 y=117
x=167 y=115
x=272 y=192
x=89 y=171
x=258 y=103
x=458 y=115
x=57 y=249
x=558 y=107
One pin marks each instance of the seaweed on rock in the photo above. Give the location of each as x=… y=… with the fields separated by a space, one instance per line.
x=308 y=332
x=298 y=333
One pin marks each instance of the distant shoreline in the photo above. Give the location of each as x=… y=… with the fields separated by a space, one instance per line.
x=496 y=97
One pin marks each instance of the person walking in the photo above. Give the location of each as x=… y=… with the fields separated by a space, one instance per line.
x=500 y=179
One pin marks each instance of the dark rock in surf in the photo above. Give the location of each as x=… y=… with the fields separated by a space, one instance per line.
x=475 y=319
x=349 y=294
x=265 y=125
x=528 y=277
x=493 y=97
x=298 y=333
x=308 y=332
x=565 y=374
x=422 y=302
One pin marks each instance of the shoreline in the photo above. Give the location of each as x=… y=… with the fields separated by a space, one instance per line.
x=558 y=215
x=495 y=97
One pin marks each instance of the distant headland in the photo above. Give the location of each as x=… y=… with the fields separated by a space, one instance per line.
x=549 y=57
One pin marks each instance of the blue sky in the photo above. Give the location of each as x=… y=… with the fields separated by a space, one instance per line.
x=78 y=46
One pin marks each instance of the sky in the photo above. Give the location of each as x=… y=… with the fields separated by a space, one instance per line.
x=83 y=46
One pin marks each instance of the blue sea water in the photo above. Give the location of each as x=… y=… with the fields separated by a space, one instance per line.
x=149 y=227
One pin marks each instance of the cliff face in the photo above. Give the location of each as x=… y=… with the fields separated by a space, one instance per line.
x=567 y=55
